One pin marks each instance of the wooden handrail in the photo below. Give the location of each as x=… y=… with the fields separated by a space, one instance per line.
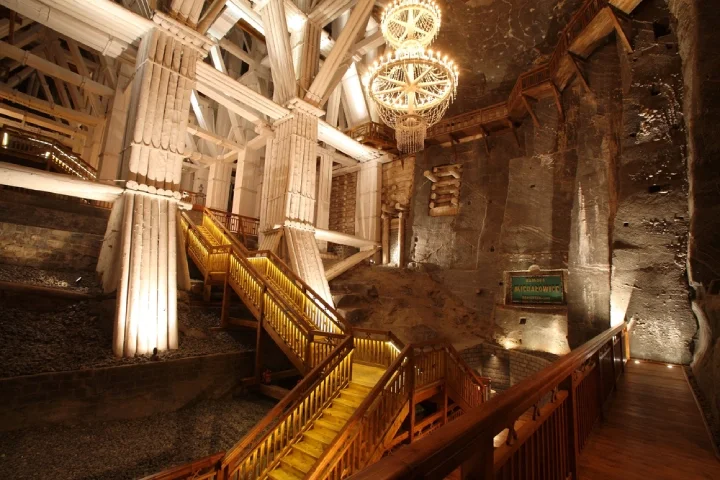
x=350 y=430
x=190 y=470
x=305 y=385
x=468 y=442
x=312 y=387
x=66 y=160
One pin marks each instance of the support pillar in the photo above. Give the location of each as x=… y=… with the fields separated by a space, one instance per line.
x=139 y=252
x=218 y=186
x=247 y=179
x=401 y=239
x=324 y=186
x=385 y=239
x=111 y=156
x=288 y=198
x=368 y=209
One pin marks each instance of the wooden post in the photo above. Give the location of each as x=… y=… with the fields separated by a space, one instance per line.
x=573 y=445
x=411 y=392
x=226 y=298
x=481 y=465
x=385 y=239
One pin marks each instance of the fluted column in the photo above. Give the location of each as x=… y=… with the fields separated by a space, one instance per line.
x=288 y=197
x=140 y=250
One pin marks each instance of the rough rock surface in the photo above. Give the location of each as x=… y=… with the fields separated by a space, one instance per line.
x=696 y=23
x=79 y=336
x=413 y=305
x=493 y=41
x=124 y=450
x=65 y=279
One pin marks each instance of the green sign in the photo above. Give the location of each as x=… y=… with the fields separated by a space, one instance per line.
x=537 y=289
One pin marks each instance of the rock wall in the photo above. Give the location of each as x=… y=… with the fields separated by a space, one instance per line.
x=48 y=248
x=696 y=22
x=343 y=195
x=504 y=367
x=560 y=197
x=114 y=393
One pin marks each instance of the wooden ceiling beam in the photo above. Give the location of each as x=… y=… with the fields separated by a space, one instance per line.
x=25 y=100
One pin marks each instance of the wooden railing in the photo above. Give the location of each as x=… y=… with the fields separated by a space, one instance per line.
x=245 y=228
x=360 y=440
x=202 y=469
x=197 y=199
x=542 y=423
x=323 y=316
x=365 y=438
x=376 y=134
x=273 y=300
x=55 y=153
x=284 y=424
x=378 y=348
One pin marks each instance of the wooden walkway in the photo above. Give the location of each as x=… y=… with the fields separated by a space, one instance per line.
x=653 y=431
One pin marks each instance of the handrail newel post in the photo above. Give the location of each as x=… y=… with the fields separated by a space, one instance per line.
x=411 y=392
x=572 y=427
x=481 y=465
x=600 y=389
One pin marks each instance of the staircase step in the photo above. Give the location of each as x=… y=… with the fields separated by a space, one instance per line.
x=348 y=401
x=320 y=435
x=298 y=461
x=309 y=449
x=331 y=423
x=340 y=411
x=357 y=387
x=283 y=473
x=354 y=395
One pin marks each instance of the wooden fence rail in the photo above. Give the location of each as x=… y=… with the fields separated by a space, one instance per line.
x=536 y=429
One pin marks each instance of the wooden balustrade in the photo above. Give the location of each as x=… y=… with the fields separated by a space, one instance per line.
x=245 y=228
x=197 y=199
x=360 y=440
x=202 y=469
x=537 y=428
x=47 y=149
x=376 y=347
x=284 y=424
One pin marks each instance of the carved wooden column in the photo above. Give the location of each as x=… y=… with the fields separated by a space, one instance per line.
x=111 y=156
x=140 y=251
x=218 y=187
x=368 y=205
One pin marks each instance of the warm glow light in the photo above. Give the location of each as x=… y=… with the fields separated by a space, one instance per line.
x=669 y=366
x=637 y=361
x=412 y=87
x=392 y=345
x=5 y=139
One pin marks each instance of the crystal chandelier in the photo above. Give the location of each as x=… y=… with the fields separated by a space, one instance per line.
x=412 y=86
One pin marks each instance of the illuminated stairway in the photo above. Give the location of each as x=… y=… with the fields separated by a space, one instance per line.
x=360 y=386
x=323 y=431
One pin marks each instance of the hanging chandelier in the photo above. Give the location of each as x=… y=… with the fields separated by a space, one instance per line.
x=412 y=86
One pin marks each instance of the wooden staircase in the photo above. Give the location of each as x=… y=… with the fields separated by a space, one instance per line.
x=320 y=437
x=361 y=386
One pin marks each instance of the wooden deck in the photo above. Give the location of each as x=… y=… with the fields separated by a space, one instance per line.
x=652 y=431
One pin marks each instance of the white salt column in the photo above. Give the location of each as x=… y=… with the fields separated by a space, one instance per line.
x=219 y=181
x=146 y=262
x=247 y=183
x=324 y=185
x=288 y=194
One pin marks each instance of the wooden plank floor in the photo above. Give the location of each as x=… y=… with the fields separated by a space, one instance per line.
x=652 y=431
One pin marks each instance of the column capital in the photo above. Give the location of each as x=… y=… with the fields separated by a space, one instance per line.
x=304 y=107
x=184 y=34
